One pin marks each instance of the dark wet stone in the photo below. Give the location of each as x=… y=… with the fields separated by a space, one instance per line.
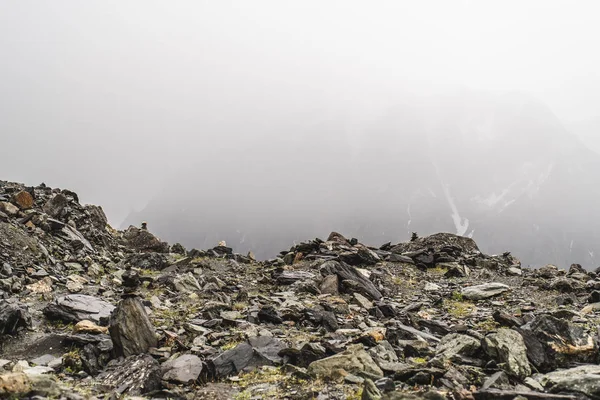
x=13 y=316
x=346 y=272
x=77 y=307
x=130 y=329
x=134 y=375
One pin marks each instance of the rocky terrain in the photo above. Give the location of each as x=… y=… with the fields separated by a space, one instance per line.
x=89 y=312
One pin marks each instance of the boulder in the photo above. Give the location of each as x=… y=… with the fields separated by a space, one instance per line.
x=23 y=200
x=9 y=208
x=13 y=316
x=485 y=291
x=508 y=349
x=437 y=242
x=14 y=385
x=130 y=329
x=55 y=206
x=330 y=285
x=134 y=375
x=183 y=369
x=148 y=261
x=258 y=351
x=553 y=342
x=354 y=360
x=78 y=307
x=456 y=344
x=583 y=380
x=96 y=216
x=290 y=277
x=348 y=273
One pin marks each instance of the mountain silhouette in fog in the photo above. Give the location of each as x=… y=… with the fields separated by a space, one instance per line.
x=500 y=169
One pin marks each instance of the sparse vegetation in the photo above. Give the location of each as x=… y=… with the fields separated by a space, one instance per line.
x=459 y=309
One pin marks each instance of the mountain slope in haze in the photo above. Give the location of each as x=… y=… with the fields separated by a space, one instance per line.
x=588 y=131
x=501 y=169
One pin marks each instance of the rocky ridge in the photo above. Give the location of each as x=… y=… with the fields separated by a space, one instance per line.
x=87 y=311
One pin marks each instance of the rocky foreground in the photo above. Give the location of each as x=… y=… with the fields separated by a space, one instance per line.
x=90 y=312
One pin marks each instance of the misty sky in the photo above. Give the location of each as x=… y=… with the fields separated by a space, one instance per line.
x=108 y=98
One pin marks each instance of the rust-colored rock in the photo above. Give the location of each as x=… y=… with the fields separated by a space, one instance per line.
x=23 y=200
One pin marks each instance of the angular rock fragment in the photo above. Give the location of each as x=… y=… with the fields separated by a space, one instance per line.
x=457 y=344
x=485 y=291
x=346 y=272
x=354 y=360
x=553 y=342
x=23 y=199
x=259 y=351
x=13 y=316
x=184 y=369
x=56 y=205
x=508 y=349
x=134 y=375
x=79 y=307
x=582 y=380
x=130 y=329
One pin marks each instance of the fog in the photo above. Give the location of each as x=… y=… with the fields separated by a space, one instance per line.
x=225 y=110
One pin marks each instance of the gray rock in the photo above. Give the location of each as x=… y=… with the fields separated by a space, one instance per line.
x=78 y=307
x=431 y=287
x=404 y=332
x=485 y=291
x=13 y=316
x=186 y=283
x=134 y=375
x=370 y=391
x=45 y=360
x=183 y=369
x=553 y=342
x=289 y=277
x=456 y=344
x=258 y=351
x=508 y=349
x=150 y=261
x=499 y=380
x=495 y=394
x=55 y=206
x=385 y=356
x=267 y=347
x=9 y=208
x=329 y=285
x=515 y=271
x=351 y=274
x=130 y=329
x=362 y=301
x=354 y=360
x=584 y=380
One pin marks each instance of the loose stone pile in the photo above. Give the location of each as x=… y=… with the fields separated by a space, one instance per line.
x=90 y=312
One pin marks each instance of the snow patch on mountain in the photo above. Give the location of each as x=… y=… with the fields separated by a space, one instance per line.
x=461 y=224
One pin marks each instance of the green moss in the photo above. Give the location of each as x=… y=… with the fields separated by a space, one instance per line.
x=230 y=345
x=459 y=309
x=244 y=395
x=487 y=325
x=438 y=271
x=357 y=395
x=457 y=296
